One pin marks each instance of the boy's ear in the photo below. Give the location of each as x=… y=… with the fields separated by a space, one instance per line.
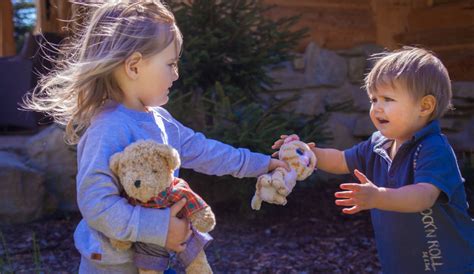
x=114 y=163
x=428 y=105
x=132 y=65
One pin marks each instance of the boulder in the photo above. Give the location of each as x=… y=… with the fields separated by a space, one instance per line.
x=324 y=67
x=22 y=190
x=48 y=152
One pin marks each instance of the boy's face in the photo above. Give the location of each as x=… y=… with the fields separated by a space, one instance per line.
x=395 y=113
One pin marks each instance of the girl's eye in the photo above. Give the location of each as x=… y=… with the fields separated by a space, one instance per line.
x=300 y=152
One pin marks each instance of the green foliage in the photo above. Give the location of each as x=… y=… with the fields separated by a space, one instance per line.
x=5 y=261
x=24 y=15
x=228 y=46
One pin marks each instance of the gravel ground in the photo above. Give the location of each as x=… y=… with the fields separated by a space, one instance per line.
x=309 y=235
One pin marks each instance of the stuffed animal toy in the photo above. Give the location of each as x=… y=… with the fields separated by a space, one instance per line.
x=276 y=186
x=145 y=171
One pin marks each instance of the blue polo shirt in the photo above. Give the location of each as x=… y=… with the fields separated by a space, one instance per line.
x=439 y=239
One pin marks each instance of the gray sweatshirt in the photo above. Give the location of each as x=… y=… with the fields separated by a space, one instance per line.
x=108 y=215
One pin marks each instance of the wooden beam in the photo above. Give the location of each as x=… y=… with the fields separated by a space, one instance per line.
x=52 y=16
x=7 y=42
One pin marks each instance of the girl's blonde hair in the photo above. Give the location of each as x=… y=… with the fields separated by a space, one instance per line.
x=82 y=80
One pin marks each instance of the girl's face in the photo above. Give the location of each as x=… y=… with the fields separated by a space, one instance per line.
x=156 y=76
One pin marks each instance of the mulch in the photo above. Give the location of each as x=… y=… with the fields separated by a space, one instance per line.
x=308 y=235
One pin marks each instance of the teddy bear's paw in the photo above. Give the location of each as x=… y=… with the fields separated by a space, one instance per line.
x=256 y=202
x=200 y=265
x=120 y=245
x=148 y=271
x=204 y=220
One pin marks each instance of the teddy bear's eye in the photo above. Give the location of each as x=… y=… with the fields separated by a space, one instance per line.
x=137 y=183
x=300 y=152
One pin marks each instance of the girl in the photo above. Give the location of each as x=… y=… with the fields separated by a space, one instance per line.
x=108 y=92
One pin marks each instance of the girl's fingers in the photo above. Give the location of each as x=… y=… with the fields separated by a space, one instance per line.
x=275 y=154
x=352 y=210
x=277 y=144
x=312 y=144
x=360 y=176
x=344 y=194
x=353 y=187
x=346 y=202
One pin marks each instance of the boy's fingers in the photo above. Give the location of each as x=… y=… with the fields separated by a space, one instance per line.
x=346 y=202
x=360 y=176
x=353 y=187
x=352 y=210
x=312 y=144
x=344 y=194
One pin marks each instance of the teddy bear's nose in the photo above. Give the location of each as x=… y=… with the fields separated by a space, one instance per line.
x=137 y=183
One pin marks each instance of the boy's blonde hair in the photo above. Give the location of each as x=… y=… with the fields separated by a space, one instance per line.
x=82 y=80
x=416 y=70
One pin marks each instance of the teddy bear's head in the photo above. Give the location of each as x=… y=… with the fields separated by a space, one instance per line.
x=145 y=168
x=299 y=156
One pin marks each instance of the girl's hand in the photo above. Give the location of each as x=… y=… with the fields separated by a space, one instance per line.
x=179 y=230
x=358 y=196
x=274 y=163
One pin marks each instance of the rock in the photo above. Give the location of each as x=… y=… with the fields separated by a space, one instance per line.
x=48 y=152
x=309 y=101
x=463 y=90
x=462 y=141
x=360 y=99
x=363 y=126
x=341 y=127
x=366 y=49
x=286 y=78
x=339 y=98
x=324 y=67
x=357 y=68
x=452 y=125
x=22 y=190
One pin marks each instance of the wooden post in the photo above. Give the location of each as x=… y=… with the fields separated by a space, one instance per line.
x=52 y=16
x=7 y=43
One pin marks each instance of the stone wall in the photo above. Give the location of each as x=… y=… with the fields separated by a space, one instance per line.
x=326 y=81
x=37 y=173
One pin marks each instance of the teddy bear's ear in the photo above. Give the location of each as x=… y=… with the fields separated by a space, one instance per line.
x=170 y=154
x=114 y=162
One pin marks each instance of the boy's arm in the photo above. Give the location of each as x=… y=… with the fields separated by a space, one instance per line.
x=331 y=160
x=407 y=199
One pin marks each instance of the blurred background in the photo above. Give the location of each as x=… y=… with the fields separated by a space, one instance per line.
x=250 y=71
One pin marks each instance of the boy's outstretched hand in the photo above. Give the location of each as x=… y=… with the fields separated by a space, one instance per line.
x=358 y=197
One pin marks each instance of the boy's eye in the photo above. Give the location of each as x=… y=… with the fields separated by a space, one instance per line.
x=373 y=100
x=388 y=99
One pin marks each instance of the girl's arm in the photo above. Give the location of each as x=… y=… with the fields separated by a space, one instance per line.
x=215 y=158
x=98 y=193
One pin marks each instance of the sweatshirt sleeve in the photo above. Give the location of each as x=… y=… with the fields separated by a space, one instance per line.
x=215 y=158
x=98 y=191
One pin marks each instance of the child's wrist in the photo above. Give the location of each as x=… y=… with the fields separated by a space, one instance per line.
x=380 y=197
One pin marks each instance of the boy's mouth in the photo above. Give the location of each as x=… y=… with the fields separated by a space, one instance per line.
x=382 y=121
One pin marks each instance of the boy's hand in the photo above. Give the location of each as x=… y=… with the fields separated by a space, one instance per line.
x=179 y=230
x=359 y=196
x=288 y=138
x=274 y=163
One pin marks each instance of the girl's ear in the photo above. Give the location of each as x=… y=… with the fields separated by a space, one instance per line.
x=132 y=65
x=428 y=105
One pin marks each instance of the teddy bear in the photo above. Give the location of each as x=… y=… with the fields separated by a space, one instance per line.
x=145 y=171
x=274 y=187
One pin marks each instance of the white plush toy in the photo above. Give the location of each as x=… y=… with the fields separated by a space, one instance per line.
x=275 y=186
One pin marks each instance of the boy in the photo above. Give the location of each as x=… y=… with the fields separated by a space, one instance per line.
x=408 y=173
